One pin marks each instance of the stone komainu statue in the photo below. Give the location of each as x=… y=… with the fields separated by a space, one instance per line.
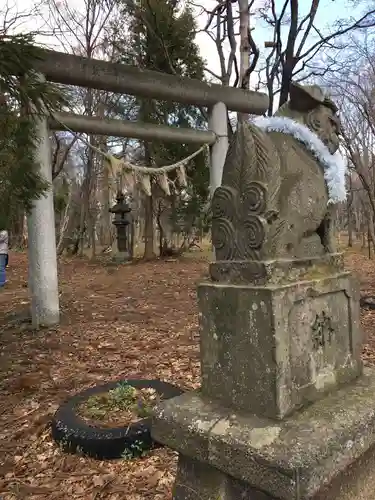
x=273 y=202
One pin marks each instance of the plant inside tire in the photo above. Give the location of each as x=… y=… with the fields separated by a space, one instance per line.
x=112 y=420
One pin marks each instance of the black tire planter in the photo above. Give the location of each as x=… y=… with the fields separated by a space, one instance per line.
x=74 y=435
x=367 y=302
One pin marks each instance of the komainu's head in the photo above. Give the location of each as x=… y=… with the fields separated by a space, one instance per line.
x=309 y=105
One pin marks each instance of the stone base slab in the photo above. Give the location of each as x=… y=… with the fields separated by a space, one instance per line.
x=289 y=459
x=197 y=481
x=355 y=483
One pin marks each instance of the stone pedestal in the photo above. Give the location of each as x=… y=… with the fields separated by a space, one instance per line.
x=117 y=256
x=120 y=257
x=271 y=349
x=284 y=406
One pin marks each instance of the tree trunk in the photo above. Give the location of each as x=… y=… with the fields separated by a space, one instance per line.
x=350 y=233
x=18 y=230
x=285 y=83
x=364 y=235
x=369 y=240
x=271 y=99
x=149 y=233
x=87 y=182
x=92 y=233
x=290 y=60
x=105 y=230
x=243 y=6
x=83 y=215
x=63 y=227
x=105 y=215
x=349 y=213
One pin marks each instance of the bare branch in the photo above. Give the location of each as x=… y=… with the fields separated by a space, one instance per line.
x=311 y=17
x=356 y=25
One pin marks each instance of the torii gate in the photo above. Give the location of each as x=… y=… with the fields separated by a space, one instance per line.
x=68 y=69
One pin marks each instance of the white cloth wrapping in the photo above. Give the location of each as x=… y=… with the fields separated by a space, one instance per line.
x=334 y=165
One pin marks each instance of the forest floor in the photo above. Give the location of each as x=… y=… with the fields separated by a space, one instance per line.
x=138 y=320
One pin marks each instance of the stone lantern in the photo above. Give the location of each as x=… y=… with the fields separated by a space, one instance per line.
x=123 y=222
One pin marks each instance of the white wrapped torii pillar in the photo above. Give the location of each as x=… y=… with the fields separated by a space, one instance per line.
x=43 y=280
x=218 y=123
x=69 y=69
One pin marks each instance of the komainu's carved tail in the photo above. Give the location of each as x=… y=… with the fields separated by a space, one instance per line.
x=245 y=209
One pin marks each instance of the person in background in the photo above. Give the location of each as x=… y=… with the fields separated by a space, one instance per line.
x=4 y=244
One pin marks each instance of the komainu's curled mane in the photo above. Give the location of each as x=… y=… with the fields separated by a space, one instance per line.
x=273 y=202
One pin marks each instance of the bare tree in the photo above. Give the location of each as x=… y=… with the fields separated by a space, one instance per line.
x=62 y=147
x=85 y=30
x=354 y=92
x=13 y=20
x=16 y=22
x=295 y=45
x=228 y=26
x=295 y=54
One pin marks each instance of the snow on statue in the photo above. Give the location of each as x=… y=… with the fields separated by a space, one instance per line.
x=282 y=177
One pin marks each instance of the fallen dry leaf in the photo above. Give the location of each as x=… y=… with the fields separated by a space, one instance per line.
x=139 y=321
x=131 y=323
x=98 y=480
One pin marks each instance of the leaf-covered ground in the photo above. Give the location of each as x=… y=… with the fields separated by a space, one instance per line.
x=134 y=321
